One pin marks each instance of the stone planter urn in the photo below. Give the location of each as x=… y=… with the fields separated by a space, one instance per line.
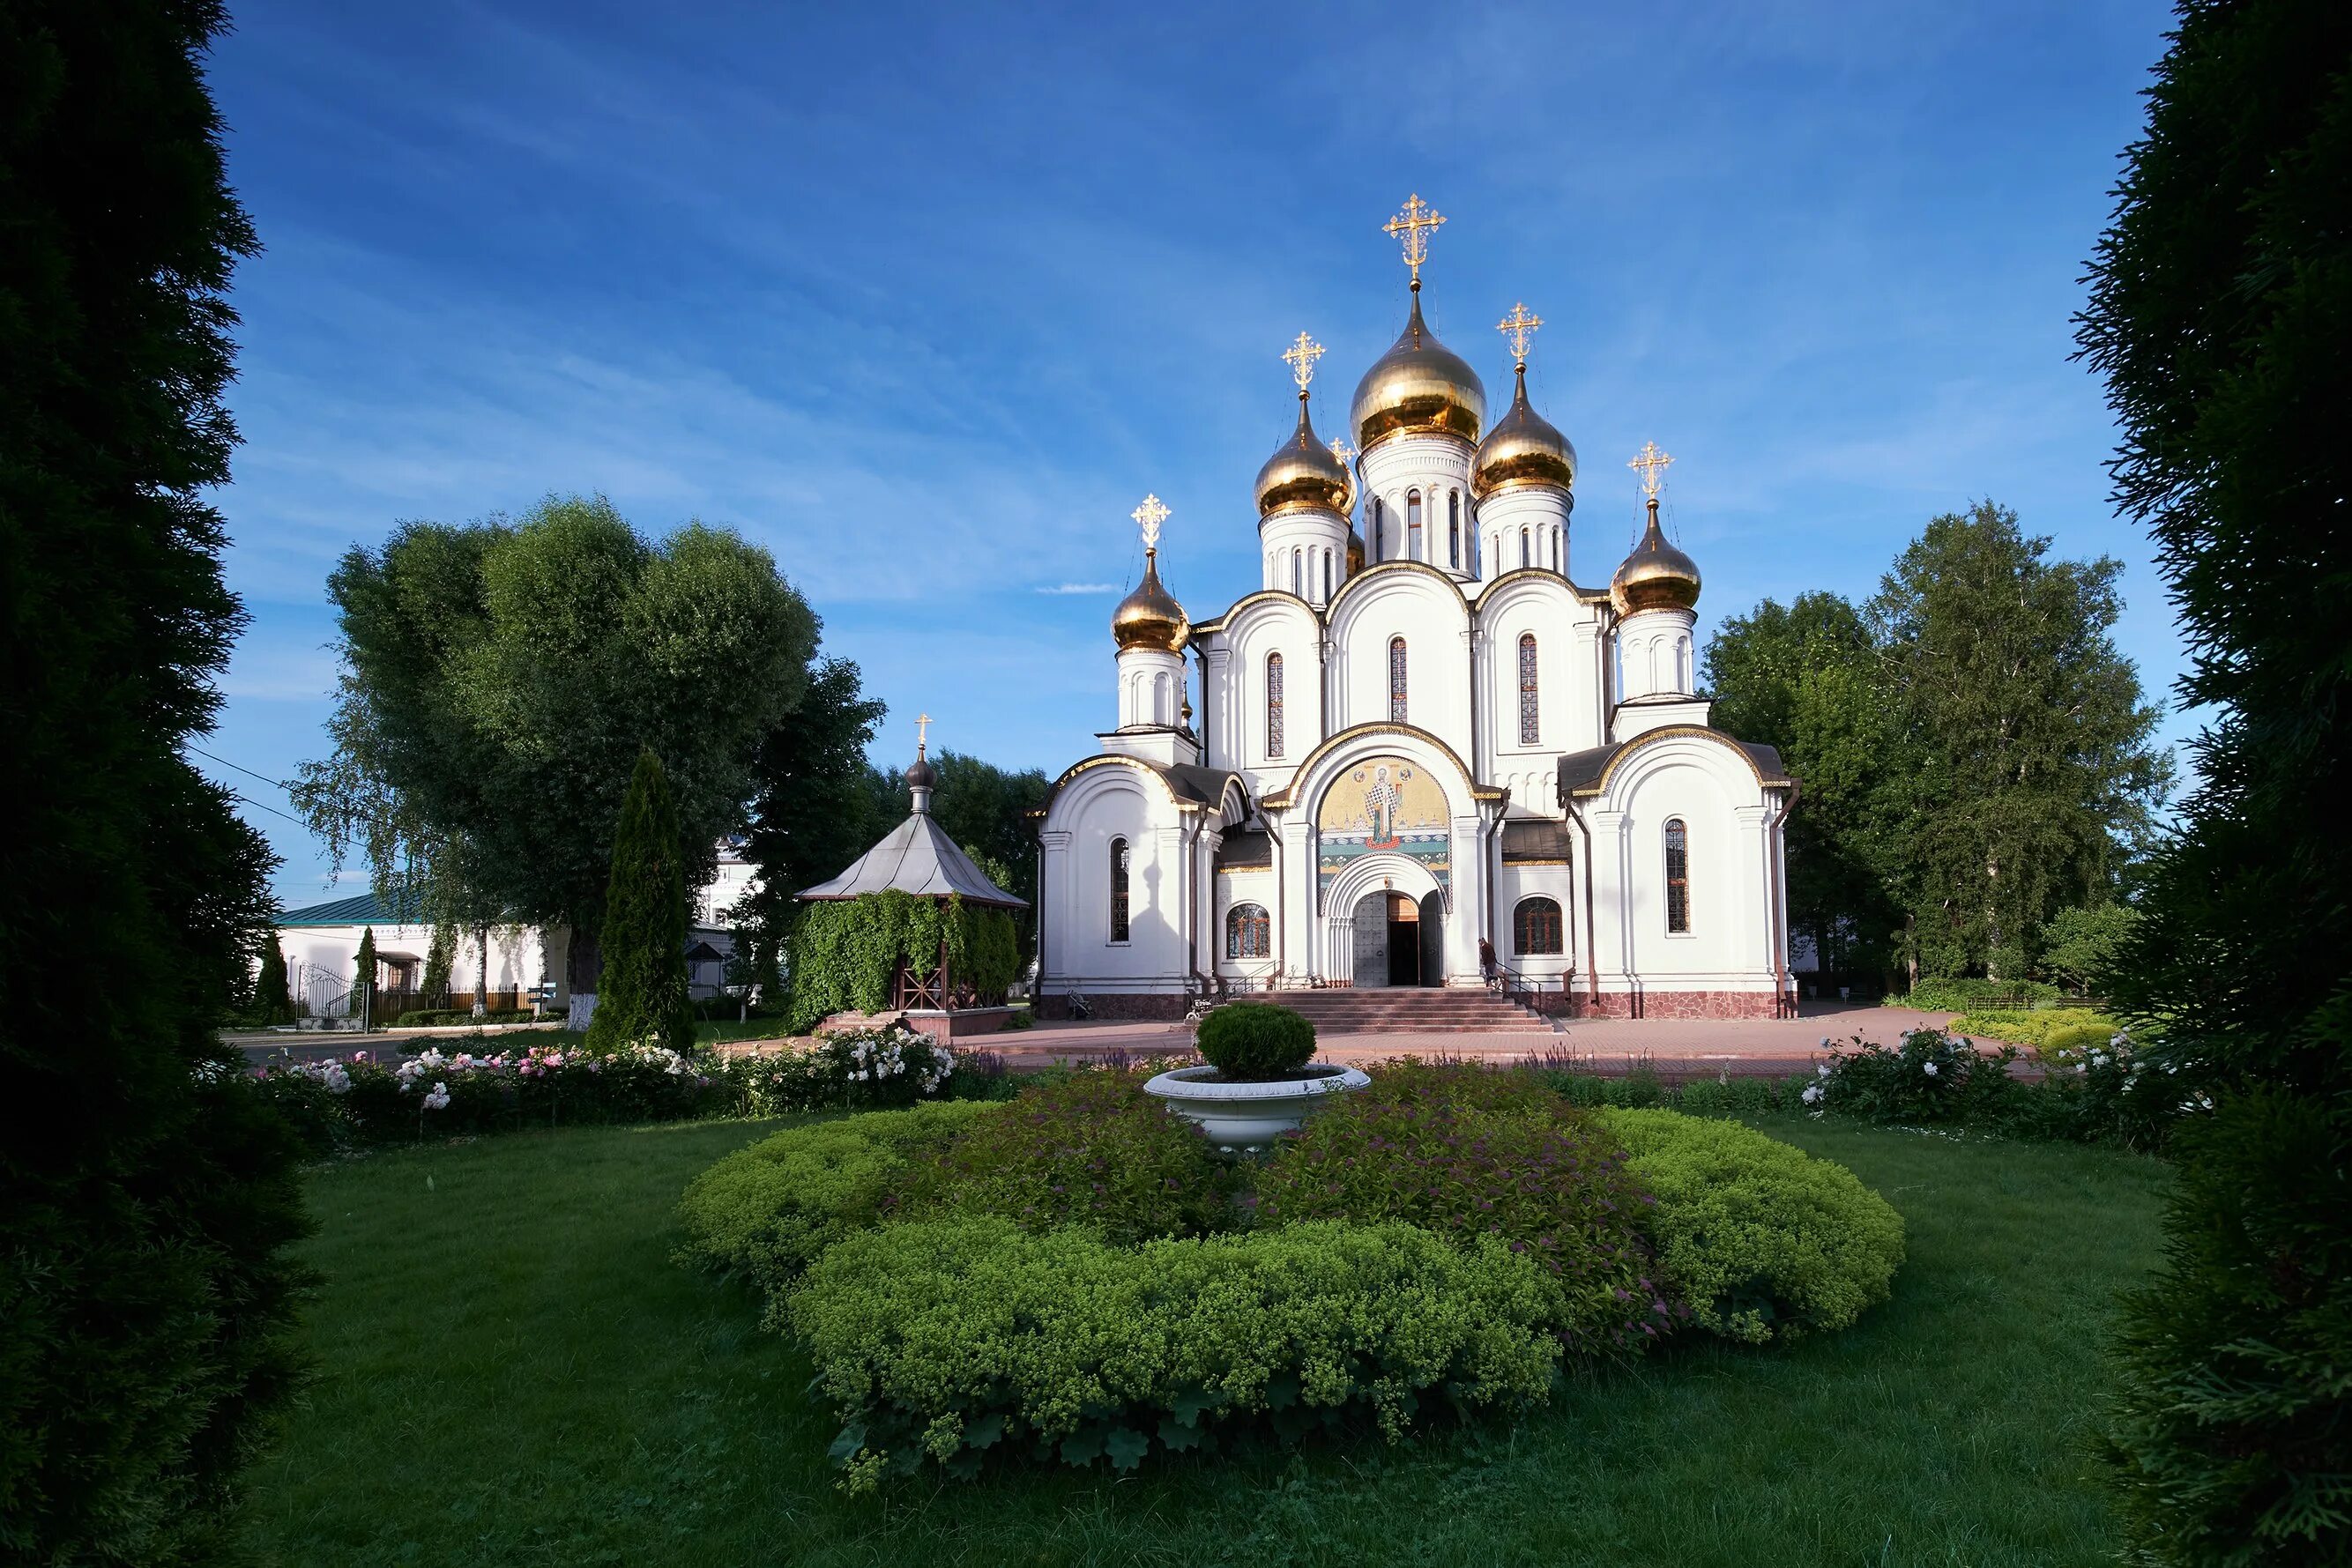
x=1241 y=1116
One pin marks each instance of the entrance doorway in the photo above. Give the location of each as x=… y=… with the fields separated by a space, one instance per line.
x=1399 y=942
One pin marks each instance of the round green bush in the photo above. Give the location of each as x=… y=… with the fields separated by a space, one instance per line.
x=946 y=1338
x=1467 y=1153
x=1761 y=1239
x=769 y=1210
x=1092 y=1150
x=1256 y=1041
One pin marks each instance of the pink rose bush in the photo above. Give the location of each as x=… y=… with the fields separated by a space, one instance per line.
x=357 y=1100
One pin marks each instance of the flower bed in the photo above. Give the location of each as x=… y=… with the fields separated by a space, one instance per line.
x=361 y=1101
x=1064 y=1276
x=2102 y=1091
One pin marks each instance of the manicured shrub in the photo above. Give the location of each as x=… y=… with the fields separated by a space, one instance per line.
x=1761 y=1239
x=949 y=1338
x=2046 y=1029
x=1931 y=1077
x=1938 y=994
x=1091 y=1149
x=1467 y=1153
x=768 y=1211
x=1256 y=1041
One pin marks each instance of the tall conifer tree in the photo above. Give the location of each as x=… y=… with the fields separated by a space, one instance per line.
x=643 y=995
x=146 y=1192
x=2221 y=313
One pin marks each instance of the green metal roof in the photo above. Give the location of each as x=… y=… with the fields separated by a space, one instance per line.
x=367 y=909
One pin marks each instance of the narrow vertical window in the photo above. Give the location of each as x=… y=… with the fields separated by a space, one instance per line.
x=1297 y=587
x=1373 y=521
x=1326 y=578
x=1396 y=680
x=1119 y=890
x=1453 y=528
x=1523 y=546
x=1530 y=726
x=1412 y=526
x=1274 y=704
x=1677 y=876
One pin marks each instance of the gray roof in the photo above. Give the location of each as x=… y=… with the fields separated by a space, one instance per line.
x=1245 y=849
x=1536 y=838
x=916 y=857
x=1581 y=770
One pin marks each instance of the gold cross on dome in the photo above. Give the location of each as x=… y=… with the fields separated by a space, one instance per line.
x=922 y=724
x=1651 y=464
x=1341 y=449
x=1414 y=226
x=1517 y=328
x=1149 y=517
x=1300 y=357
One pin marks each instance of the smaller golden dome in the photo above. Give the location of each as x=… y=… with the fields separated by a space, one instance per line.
x=1149 y=617
x=1522 y=449
x=1355 y=551
x=1657 y=576
x=1303 y=473
x=1420 y=384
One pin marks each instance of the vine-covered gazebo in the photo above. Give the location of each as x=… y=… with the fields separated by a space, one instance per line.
x=913 y=924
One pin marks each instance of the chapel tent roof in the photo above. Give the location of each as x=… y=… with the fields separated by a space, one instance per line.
x=916 y=857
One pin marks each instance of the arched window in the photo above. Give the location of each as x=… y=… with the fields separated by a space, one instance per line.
x=1412 y=526
x=1297 y=585
x=1372 y=527
x=1530 y=727
x=1326 y=578
x=1453 y=528
x=1119 y=890
x=1396 y=680
x=1274 y=704
x=1248 y=933
x=1523 y=546
x=1536 y=929
x=1678 y=875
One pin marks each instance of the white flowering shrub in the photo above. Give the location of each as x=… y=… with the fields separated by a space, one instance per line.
x=1931 y=1076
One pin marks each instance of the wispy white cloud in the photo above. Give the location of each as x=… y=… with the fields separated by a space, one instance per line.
x=1079 y=587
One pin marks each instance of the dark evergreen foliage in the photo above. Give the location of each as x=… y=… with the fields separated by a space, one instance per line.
x=272 y=1002
x=2221 y=313
x=363 y=962
x=641 y=996
x=147 y=1193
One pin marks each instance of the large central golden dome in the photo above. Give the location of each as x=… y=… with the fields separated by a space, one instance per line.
x=1418 y=385
x=1302 y=473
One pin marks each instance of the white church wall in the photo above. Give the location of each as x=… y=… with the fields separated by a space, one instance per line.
x=1513 y=886
x=1428 y=614
x=1233 y=889
x=1266 y=626
x=1108 y=805
x=1438 y=468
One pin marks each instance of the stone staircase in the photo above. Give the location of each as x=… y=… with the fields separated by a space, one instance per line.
x=1409 y=1009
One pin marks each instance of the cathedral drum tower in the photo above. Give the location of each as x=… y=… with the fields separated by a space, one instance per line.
x=1421 y=742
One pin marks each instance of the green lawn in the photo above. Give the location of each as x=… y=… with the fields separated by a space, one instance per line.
x=512 y=1371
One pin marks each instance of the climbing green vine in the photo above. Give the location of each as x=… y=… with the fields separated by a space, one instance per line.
x=845 y=954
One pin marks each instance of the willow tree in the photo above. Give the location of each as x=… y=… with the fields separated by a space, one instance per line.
x=499 y=679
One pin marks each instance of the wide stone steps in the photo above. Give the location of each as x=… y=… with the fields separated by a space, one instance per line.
x=1409 y=1010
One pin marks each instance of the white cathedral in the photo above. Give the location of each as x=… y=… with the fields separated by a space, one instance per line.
x=1420 y=739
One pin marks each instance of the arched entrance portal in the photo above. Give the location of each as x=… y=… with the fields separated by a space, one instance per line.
x=1399 y=942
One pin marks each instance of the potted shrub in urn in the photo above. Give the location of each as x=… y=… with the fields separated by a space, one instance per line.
x=1260 y=1081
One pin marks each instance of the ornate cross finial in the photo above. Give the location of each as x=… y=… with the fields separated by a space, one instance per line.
x=1414 y=226
x=922 y=724
x=1149 y=517
x=1651 y=464
x=1341 y=449
x=1301 y=355
x=1516 y=329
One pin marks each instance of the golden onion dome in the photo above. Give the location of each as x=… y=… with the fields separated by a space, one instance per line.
x=1657 y=576
x=1149 y=617
x=1522 y=449
x=1303 y=473
x=1418 y=385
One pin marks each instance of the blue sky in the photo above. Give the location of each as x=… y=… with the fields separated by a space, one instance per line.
x=926 y=300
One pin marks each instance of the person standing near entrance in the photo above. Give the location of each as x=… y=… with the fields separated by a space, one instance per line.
x=1486 y=959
